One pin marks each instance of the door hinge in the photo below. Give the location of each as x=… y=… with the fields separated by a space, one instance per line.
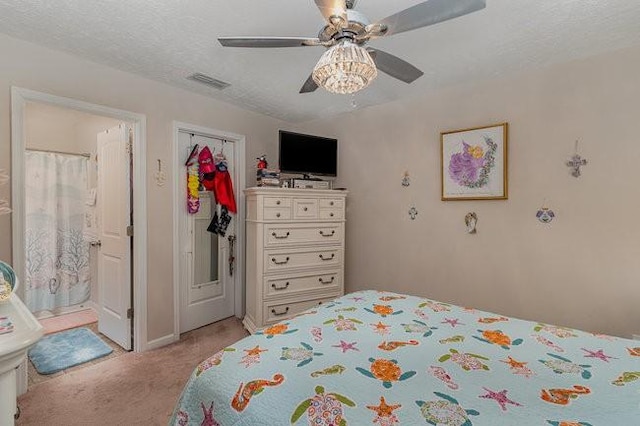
x=130 y=231
x=130 y=313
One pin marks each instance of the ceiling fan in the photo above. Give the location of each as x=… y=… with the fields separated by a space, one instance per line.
x=348 y=28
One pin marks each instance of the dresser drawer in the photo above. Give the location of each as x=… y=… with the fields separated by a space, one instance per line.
x=277 y=213
x=289 y=285
x=330 y=203
x=277 y=311
x=277 y=202
x=329 y=214
x=282 y=260
x=305 y=208
x=282 y=235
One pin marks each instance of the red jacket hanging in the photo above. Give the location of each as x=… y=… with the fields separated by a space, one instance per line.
x=223 y=188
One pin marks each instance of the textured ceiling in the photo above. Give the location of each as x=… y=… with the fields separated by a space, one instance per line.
x=168 y=40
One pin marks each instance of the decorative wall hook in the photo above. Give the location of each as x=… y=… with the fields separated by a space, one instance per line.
x=413 y=212
x=471 y=220
x=576 y=162
x=161 y=176
x=406 y=181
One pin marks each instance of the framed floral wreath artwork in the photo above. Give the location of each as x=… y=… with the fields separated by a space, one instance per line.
x=474 y=163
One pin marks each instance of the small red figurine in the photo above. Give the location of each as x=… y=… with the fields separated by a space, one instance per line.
x=262 y=162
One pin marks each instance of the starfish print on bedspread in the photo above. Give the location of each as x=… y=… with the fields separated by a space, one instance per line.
x=380 y=328
x=452 y=322
x=346 y=346
x=598 y=354
x=385 y=413
x=500 y=397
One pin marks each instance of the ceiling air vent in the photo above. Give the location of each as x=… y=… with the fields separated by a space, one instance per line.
x=209 y=81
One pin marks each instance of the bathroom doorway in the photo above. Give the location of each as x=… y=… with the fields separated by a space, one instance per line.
x=131 y=127
x=77 y=207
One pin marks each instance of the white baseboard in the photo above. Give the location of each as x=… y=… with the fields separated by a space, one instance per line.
x=162 y=341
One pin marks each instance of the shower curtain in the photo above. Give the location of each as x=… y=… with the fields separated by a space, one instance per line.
x=57 y=252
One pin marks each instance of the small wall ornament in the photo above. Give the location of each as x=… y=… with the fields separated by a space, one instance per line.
x=576 y=162
x=406 y=181
x=413 y=212
x=545 y=214
x=471 y=220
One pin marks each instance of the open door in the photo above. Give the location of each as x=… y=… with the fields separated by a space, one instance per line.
x=114 y=254
x=207 y=279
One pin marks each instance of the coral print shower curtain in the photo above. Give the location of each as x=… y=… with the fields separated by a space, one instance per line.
x=57 y=253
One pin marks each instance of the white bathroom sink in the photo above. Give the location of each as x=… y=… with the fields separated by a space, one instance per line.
x=13 y=350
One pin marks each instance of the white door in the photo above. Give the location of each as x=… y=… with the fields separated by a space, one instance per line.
x=114 y=254
x=207 y=283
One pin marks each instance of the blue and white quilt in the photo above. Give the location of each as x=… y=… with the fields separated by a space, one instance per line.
x=380 y=358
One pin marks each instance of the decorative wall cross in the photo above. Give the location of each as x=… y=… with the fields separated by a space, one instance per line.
x=413 y=213
x=576 y=162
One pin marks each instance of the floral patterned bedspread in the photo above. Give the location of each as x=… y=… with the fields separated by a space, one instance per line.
x=380 y=358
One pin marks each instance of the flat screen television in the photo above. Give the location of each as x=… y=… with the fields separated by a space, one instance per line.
x=308 y=155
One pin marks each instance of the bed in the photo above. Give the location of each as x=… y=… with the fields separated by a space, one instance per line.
x=383 y=358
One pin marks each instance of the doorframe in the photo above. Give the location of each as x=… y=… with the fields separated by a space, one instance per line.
x=238 y=185
x=19 y=98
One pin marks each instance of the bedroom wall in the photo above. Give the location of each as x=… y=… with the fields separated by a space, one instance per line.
x=581 y=270
x=38 y=68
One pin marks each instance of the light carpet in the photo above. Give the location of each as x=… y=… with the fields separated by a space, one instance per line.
x=132 y=389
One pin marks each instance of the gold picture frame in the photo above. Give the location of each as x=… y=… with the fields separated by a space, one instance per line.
x=473 y=163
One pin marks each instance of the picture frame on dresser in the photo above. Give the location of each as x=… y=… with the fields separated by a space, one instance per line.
x=474 y=163
x=295 y=252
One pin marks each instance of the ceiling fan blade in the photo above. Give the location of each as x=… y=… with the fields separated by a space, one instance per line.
x=394 y=66
x=428 y=13
x=334 y=11
x=309 y=86
x=268 y=41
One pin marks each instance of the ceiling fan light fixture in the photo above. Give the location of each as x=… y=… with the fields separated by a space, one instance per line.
x=345 y=68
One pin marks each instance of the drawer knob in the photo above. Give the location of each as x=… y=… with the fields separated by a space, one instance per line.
x=322 y=281
x=283 y=262
x=280 y=237
x=305 y=209
x=284 y=287
x=327 y=258
x=331 y=214
x=331 y=234
x=279 y=314
x=277 y=214
x=278 y=203
x=331 y=203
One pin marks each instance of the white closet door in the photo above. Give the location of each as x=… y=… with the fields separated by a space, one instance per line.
x=114 y=254
x=206 y=285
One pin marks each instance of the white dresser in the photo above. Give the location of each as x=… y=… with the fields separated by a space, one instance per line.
x=295 y=252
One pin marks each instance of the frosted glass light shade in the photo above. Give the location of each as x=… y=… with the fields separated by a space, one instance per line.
x=345 y=68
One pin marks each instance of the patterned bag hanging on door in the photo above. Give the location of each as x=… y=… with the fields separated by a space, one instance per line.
x=220 y=223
